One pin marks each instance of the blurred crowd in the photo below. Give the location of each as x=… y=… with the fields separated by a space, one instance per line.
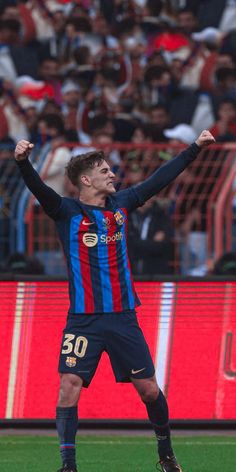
x=98 y=72
x=96 y=67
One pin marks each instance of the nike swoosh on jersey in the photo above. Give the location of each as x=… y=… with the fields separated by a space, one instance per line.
x=88 y=222
x=137 y=371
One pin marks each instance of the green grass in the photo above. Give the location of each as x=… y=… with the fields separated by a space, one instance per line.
x=117 y=454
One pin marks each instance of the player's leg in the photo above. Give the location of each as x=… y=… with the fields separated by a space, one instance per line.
x=131 y=361
x=158 y=414
x=81 y=350
x=157 y=411
x=67 y=418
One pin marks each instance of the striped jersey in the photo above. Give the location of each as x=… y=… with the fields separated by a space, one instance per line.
x=94 y=241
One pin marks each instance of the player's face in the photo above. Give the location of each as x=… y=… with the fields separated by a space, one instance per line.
x=102 y=179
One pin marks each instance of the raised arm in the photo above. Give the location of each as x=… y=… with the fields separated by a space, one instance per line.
x=169 y=171
x=47 y=197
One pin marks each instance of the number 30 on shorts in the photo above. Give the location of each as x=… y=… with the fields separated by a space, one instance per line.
x=78 y=346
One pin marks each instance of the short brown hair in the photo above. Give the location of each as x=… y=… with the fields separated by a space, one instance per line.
x=83 y=162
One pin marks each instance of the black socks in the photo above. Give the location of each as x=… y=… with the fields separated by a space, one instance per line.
x=159 y=416
x=67 y=422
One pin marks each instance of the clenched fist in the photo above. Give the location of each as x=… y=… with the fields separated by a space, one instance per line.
x=205 y=139
x=23 y=149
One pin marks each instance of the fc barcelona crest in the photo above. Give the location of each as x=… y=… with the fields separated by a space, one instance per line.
x=119 y=217
x=71 y=361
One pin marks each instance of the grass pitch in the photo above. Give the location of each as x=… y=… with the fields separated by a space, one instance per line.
x=117 y=454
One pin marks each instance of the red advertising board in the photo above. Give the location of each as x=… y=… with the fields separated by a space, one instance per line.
x=190 y=328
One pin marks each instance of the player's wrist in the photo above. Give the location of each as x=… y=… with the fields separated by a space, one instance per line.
x=199 y=143
x=21 y=158
x=196 y=146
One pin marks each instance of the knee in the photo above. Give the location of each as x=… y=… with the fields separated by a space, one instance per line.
x=150 y=393
x=70 y=387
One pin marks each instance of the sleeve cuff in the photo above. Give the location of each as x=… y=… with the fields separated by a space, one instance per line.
x=23 y=163
x=195 y=147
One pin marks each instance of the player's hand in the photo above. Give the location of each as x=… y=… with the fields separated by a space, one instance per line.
x=23 y=150
x=205 y=139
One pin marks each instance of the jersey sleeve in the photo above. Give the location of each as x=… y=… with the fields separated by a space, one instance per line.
x=50 y=201
x=137 y=195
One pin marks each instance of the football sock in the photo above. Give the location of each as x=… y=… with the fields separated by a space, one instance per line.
x=67 y=422
x=159 y=416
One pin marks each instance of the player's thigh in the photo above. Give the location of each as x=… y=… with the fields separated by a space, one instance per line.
x=81 y=347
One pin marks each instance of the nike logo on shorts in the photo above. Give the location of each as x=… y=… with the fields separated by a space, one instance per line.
x=137 y=371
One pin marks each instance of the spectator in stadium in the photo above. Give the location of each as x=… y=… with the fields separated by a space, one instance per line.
x=82 y=64
x=201 y=55
x=15 y=10
x=225 y=127
x=50 y=45
x=133 y=173
x=48 y=72
x=40 y=16
x=15 y=58
x=9 y=35
x=51 y=131
x=77 y=30
x=70 y=92
x=187 y=20
x=209 y=41
x=221 y=53
x=139 y=161
x=150 y=237
x=93 y=233
x=156 y=85
x=105 y=141
x=13 y=119
x=225 y=83
x=91 y=123
x=160 y=119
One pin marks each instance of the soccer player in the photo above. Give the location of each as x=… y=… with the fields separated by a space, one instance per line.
x=102 y=315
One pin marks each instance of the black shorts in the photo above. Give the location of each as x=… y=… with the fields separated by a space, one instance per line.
x=87 y=336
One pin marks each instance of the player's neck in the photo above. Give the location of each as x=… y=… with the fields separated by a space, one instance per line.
x=94 y=200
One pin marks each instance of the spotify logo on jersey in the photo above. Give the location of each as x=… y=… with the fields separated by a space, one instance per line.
x=90 y=239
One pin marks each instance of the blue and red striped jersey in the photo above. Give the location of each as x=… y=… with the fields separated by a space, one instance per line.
x=94 y=241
